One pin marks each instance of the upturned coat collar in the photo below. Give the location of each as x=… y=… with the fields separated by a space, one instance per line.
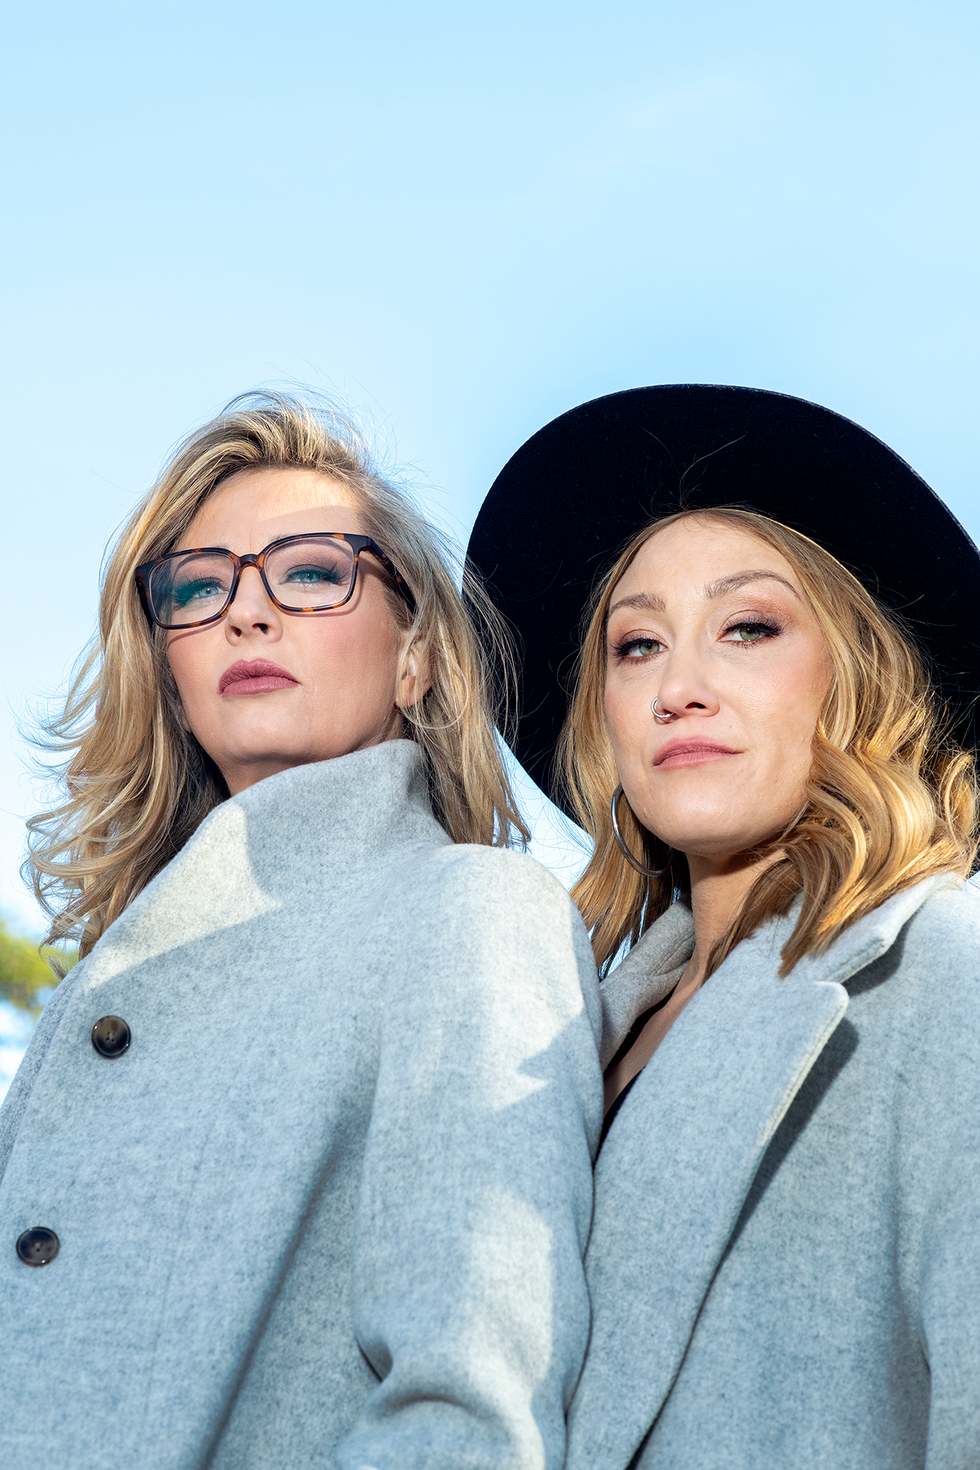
x=368 y=799
x=269 y=850
x=674 y=1172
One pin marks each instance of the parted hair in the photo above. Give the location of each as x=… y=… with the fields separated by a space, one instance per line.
x=889 y=799
x=137 y=783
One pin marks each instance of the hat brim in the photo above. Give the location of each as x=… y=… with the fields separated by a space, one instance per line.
x=576 y=493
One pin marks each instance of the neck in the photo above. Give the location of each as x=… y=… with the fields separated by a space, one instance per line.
x=718 y=889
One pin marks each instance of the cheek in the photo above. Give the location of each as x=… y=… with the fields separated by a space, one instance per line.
x=358 y=657
x=190 y=666
x=791 y=706
x=624 y=717
x=807 y=693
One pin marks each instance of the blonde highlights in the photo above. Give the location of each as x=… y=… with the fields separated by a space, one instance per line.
x=138 y=783
x=889 y=800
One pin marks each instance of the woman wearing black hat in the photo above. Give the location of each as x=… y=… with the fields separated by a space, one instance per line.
x=780 y=788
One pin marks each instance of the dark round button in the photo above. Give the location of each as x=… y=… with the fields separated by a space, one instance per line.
x=111 y=1036
x=38 y=1246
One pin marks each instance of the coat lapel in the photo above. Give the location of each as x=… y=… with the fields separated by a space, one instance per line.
x=679 y=1160
x=651 y=969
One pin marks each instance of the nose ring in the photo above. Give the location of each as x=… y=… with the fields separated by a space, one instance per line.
x=660 y=717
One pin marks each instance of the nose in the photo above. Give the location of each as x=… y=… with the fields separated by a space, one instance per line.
x=252 y=611
x=685 y=686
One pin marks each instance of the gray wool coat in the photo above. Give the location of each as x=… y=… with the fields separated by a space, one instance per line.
x=329 y=1209
x=785 y=1258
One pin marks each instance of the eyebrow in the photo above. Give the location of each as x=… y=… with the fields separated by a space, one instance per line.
x=646 y=601
x=649 y=602
x=732 y=584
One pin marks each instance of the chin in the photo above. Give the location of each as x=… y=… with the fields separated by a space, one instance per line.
x=695 y=831
x=714 y=837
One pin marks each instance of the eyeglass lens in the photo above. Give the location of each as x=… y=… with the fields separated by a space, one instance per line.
x=309 y=573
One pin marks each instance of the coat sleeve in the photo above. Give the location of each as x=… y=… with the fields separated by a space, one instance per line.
x=476 y=1196
x=949 y=1256
x=938 y=1123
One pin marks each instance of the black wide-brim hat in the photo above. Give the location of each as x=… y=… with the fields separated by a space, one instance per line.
x=566 y=504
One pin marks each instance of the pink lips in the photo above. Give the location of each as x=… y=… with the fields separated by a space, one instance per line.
x=257 y=677
x=678 y=753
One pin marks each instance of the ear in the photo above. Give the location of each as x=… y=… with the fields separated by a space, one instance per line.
x=414 y=675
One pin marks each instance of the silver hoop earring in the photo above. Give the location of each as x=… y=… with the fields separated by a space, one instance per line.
x=646 y=872
x=661 y=719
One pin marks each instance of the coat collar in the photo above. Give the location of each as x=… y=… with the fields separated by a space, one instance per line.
x=677 y=1164
x=275 y=850
x=650 y=970
x=361 y=799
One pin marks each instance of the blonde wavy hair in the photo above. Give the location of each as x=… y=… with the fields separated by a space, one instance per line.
x=889 y=800
x=139 y=784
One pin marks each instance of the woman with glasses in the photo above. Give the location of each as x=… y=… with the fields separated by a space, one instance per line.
x=771 y=742
x=296 y=1170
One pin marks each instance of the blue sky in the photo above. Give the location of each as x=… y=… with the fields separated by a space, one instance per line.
x=462 y=219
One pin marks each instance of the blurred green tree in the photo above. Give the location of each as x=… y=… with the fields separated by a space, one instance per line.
x=25 y=974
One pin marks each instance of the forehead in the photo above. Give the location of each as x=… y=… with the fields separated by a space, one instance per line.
x=260 y=505
x=691 y=554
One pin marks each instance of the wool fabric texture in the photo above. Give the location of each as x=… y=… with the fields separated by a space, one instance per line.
x=329 y=1209
x=785 y=1259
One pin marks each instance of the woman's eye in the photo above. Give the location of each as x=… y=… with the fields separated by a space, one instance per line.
x=197 y=591
x=636 y=648
x=314 y=576
x=749 y=632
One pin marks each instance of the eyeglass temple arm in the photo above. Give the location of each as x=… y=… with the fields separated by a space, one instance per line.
x=393 y=572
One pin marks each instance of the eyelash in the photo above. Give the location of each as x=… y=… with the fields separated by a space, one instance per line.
x=621 y=651
x=769 y=630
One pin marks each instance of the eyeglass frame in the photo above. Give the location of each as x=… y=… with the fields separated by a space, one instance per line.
x=357 y=542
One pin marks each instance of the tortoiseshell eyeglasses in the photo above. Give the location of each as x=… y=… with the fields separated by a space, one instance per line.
x=302 y=574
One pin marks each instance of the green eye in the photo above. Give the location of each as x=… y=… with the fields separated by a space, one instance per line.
x=750 y=632
x=637 y=648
